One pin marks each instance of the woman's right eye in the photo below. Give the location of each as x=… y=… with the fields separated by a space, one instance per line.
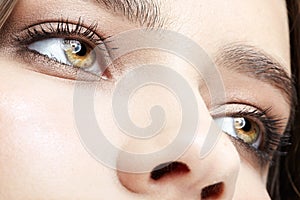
x=72 y=52
x=244 y=129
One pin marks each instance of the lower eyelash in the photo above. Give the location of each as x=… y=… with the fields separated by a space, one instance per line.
x=60 y=29
x=63 y=28
x=275 y=142
x=44 y=65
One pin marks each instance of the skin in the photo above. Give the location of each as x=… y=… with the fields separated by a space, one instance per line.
x=41 y=155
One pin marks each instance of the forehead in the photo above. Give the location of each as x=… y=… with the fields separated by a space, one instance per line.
x=215 y=23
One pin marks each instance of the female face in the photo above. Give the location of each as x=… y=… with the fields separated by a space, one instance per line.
x=46 y=44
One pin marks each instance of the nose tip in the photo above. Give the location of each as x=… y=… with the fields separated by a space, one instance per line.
x=189 y=177
x=164 y=173
x=178 y=169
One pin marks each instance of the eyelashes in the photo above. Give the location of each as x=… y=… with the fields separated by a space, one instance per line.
x=63 y=28
x=68 y=33
x=67 y=45
x=262 y=136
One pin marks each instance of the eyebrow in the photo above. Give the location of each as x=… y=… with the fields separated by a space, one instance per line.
x=255 y=63
x=145 y=12
x=241 y=58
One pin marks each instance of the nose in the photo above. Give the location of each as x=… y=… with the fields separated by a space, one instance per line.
x=190 y=177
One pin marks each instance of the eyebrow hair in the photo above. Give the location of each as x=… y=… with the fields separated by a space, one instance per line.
x=145 y=12
x=255 y=63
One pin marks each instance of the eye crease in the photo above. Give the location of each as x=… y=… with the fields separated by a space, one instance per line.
x=256 y=129
x=122 y=99
x=72 y=44
x=78 y=46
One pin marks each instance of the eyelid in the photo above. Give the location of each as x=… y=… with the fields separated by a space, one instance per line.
x=270 y=125
x=251 y=112
x=36 y=62
x=236 y=109
x=61 y=28
x=66 y=30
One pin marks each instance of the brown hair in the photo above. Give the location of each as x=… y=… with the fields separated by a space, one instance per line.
x=284 y=175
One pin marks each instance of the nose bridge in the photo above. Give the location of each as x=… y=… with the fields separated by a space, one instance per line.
x=206 y=169
x=173 y=139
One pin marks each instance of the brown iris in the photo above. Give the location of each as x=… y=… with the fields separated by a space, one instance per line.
x=246 y=129
x=79 y=54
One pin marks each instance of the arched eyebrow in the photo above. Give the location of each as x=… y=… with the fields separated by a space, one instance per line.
x=253 y=62
x=245 y=59
x=144 y=12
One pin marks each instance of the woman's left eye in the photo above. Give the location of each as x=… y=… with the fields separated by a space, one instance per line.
x=242 y=128
x=72 y=52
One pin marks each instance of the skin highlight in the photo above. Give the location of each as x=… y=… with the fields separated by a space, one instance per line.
x=42 y=156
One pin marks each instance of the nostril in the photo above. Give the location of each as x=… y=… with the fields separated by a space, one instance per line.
x=169 y=168
x=212 y=191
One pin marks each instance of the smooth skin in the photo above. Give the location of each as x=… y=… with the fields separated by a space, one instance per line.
x=41 y=155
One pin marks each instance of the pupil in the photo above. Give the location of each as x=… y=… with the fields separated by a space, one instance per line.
x=82 y=51
x=247 y=126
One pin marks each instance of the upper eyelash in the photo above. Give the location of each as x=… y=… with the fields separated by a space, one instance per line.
x=61 y=28
x=272 y=139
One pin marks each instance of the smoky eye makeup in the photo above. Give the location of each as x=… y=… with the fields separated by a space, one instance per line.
x=255 y=131
x=64 y=49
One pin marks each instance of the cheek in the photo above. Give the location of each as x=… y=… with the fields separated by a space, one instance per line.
x=254 y=187
x=40 y=152
x=30 y=110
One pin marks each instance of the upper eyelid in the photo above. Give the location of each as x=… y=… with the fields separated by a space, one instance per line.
x=253 y=112
x=64 y=29
x=230 y=108
x=80 y=22
x=264 y=151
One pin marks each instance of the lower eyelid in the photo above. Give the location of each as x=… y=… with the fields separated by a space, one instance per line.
x=44 y=65
x=38 y=62
x=261 y=156
x=253 y=156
